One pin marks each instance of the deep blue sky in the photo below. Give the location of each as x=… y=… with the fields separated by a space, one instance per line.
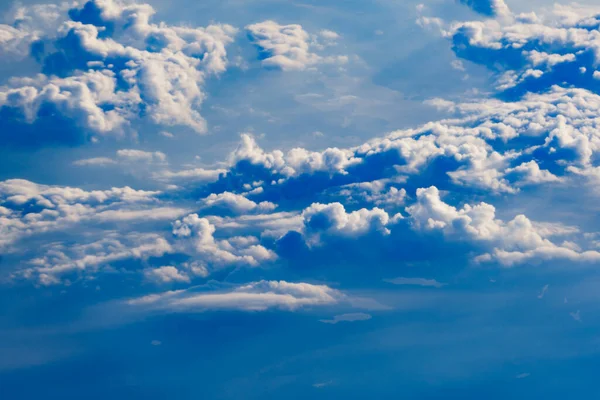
x=311 y=199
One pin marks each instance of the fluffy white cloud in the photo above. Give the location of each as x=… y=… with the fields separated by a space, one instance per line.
x=296 y=161
x=196 y=236
x=546 y=136
x=25 y=25
x=333 y=219
x=236 y=203
x=290 y=47
x=512 y=242
x=494 y=145
x=375 y=192
x=165 y=274
x=122 y=65
x=531 y=173
x=255 y=296
x=90 y=99
x=531 y=52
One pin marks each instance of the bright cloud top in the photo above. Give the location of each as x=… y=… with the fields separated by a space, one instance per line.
x=255 y=296
x=290 y=47
x=106 y=63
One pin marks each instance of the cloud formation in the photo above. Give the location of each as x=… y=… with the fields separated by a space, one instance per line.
x=352 y=317
x=490 y=8
x=512 y=242
x=264 y=205
x=107 y=64
x=290 y=47
x=255 y=296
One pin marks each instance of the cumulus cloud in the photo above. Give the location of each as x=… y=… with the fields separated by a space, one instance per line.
x=508 y=144
x=196 y=236
x=382 y=193
x=489 y=145
x=563 y=136
x=295 y=162
x=25 y=25
x=332 y=219
x=235 y=203
x=290 y=47
x=165 y=274
x=255 y=296
x=111 y=64
x=530 y=173
x=513 y=242
x=531 y=52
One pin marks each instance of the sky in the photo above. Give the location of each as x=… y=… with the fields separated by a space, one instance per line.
x=267 y=199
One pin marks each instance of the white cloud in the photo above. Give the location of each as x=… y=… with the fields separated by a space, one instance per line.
x=165 y=274
x=564 y=34
x=80 y=97
x=329 y=34
x=416 y=282
x=27 y=24
x=201 y=175
x=530 y=173
x=576 y=316
x=196 y=236
x=166 y=81
x=290 y=47
x=255 y=296
x=513 y=242
x=132 y=155
x=63 y=259
x=296 y=161
x=333 y=219
x=543 y=291
x=352 y=317
x=95 y=161
x=34 y=209
x=374 y=192
x=236 y=203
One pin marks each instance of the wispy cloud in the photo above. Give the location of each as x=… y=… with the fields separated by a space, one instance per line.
x=416 y=282
x=353 y=317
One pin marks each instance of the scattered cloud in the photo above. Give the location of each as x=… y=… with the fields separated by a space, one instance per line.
x=290 y=47
x=353 y=317
x=416 y=282
x=543 y=291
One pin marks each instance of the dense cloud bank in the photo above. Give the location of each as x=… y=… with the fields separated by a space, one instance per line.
x=106 y=64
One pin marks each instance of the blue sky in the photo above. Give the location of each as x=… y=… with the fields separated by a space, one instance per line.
x=270 y=199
